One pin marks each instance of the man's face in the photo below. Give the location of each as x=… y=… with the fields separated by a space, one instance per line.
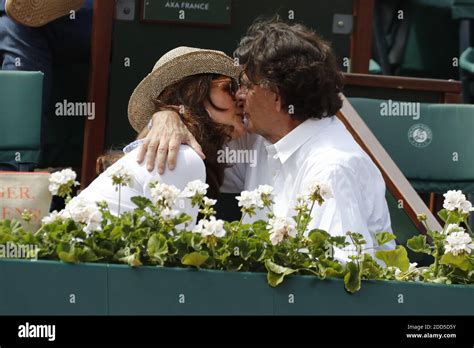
x=258 y=105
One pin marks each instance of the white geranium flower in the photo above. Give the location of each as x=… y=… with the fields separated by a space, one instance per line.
x=53 y=216
x=193 y=188
x=412 y=266
x=398 y=272
x=84 y=212
x=211 y=227
x=302 y=203
x=64 y=214
x=119 y=175
x=169 y=214
x=265 y=190
x=454 y=228
x=458 y=242
x=456 y=200
x=317 y=191
x=250 y=200
x=209 y=202
x=465 y=207
x=451 y=199
x=65 y=177
x=279 y=228
x=168 y=194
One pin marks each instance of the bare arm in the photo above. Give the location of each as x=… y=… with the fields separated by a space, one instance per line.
x=163 y=141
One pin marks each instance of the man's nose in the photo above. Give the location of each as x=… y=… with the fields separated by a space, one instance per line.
x=240 y=96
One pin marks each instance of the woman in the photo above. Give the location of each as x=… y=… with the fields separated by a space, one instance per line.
x=200 y=85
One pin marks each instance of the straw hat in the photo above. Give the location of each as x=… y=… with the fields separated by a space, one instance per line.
x=36 y=13
x=170 y=68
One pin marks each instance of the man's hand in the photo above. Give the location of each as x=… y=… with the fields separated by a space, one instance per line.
x=164 y=139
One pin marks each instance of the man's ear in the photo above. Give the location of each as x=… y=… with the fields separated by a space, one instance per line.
x=278 y=102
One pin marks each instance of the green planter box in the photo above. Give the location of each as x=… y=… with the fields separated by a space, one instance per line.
x=176 y=291
x=45 y=288
x=52 y=288
x=305 y=295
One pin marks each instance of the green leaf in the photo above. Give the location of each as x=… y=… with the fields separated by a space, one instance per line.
x=67 y=253
x=182 y=218
x=352 y=279
x=195 y=259
x=384 y=237
x=276 y=273
x=141 y=202
x=395 y=258
x=157 y=248
x=370 y=268
x=116 y=233
x=87 y=255
x=443 y=214
x=454 y=218
x=459 y=261
x=68 y=257
x=103 y=248
x=418 y=244
x=318 y=237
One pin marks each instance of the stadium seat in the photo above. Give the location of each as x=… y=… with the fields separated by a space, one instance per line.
x=450 y=142
x=21 y=101
x=444 y=134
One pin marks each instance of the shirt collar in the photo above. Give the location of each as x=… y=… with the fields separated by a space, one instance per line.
x=290 y=143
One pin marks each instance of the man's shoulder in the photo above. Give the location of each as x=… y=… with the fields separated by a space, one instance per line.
x=341 y=163
x=334 y=147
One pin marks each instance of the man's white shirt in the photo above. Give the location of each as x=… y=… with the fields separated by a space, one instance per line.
x=321 y=150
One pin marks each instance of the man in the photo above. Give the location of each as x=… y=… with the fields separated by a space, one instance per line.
x=289 y=91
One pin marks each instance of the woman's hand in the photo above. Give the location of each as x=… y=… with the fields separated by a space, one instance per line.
x=164 y=139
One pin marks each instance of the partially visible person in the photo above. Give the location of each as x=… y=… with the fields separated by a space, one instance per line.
x=200 y=84
x=63 y=40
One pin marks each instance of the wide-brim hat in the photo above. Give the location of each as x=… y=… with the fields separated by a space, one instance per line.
x=169 y=69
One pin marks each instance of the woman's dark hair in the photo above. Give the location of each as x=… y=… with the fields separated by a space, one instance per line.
x=295 y=62
x=187 y=97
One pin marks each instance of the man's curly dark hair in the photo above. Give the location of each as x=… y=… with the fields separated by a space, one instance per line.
x=294 y=61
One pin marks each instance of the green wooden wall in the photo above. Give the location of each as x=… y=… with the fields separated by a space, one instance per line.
x=144 y=43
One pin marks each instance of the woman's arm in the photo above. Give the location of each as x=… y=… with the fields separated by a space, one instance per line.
x=168 y=132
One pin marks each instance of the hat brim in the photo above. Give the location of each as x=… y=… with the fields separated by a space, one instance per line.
x=141 y=106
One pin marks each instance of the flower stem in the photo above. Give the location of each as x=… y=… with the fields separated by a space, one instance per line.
x=241 y=219
x=37 y=232
x=309 y=219
x=438 y=251
x=469 y=228
x=119 y=192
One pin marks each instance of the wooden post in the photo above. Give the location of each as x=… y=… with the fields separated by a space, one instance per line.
x=361 y=40
x=94 y=131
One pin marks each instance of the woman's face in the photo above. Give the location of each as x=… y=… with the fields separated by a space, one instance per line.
x=222 y=105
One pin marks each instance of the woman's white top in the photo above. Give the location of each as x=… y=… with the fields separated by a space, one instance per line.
x=189 y=167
